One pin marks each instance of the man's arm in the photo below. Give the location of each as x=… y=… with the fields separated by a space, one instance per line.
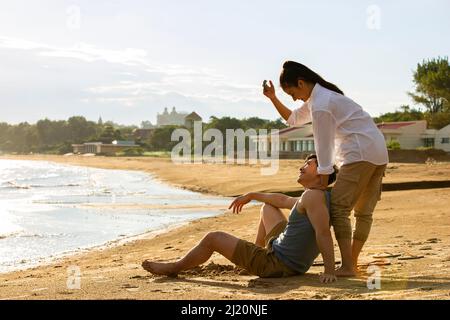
x=314 y=202
x=277 y=200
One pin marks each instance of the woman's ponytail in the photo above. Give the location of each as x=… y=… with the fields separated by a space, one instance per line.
x=294 y=71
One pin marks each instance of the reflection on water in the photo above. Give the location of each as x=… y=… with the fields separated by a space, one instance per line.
x=47 y=209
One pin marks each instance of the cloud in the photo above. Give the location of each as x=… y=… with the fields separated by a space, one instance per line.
x=105 y=78
x=174 y=76
x=81 y=51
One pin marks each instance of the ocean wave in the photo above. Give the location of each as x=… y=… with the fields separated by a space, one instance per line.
x=23 y=234
x=15 y=185
x=10 y=234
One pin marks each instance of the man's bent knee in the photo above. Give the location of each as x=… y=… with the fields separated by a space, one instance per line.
x=266 y=207
x=212 y=237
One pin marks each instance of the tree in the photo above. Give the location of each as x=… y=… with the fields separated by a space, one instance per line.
x=277 y=124
x=108 y=134
x=146 y=125
x=438 y=120
x=224 y=123
x=432 y=81
x=80 y=129
x=160 y=140
x=406 y=114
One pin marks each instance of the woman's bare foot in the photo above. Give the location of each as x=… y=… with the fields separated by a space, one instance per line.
x=160 y=268
x=345 y=272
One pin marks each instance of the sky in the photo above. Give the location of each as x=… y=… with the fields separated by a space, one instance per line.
x=127 y=60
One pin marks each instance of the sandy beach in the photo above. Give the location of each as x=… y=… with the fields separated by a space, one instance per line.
x=409 y=245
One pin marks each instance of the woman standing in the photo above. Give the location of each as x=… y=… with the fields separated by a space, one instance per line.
x=343 y=134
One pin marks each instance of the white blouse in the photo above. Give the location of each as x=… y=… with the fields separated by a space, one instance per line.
x=343 y=132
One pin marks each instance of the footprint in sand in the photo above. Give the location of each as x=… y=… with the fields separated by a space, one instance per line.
x=381 y=262
x=410 y=257
x=386 y=255
x=140 y=277
x=130 y=287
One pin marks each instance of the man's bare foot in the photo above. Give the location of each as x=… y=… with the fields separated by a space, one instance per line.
x=345 y=272
x=160 y=268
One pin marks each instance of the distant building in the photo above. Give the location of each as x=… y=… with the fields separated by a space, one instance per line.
x=409 y=134
x=442 y=140
x=176 y=118
x=172 y=118
x=296 y=142
x=190 y=119
x=414 y=134
x=103 y=148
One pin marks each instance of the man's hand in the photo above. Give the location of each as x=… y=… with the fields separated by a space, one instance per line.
x=327 y=278
x=269 y=91
x=239 y=202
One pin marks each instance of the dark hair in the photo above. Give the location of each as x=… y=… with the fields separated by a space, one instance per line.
x=294 y=71
x=332 y=176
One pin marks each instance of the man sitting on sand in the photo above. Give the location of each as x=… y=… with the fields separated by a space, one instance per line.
x=282 y=247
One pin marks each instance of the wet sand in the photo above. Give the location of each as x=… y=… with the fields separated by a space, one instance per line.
x=409 y=245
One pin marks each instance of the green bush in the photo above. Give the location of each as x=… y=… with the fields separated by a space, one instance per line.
x=64 y=148
x=393 y=144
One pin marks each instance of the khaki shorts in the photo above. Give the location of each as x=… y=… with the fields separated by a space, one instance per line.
x=262 y=261
x=358 y=187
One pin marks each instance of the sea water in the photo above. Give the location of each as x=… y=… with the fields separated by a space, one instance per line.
x=49 y=209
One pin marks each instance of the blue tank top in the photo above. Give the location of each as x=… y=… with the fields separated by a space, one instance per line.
x=296 y=246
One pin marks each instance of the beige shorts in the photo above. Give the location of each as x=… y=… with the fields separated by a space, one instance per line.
x=262 y=261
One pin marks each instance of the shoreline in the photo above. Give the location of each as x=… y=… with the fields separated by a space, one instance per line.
x=60 y=257
x=121 y=240
x=115 y=272
x=241 y=178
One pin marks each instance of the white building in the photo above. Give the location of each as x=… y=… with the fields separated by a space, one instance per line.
x=414 y=134
x=293 y=141
x=297 y=139
x=175 y=118
x=407 y=133
x=410 y=135
x=442 y=140
x=103 y=148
